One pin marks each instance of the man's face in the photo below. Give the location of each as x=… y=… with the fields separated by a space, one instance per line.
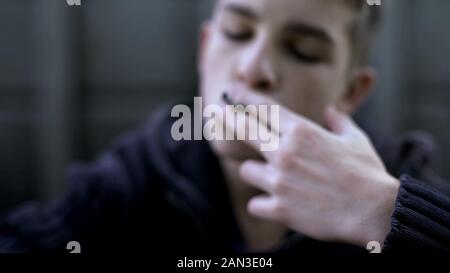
x=295 y=51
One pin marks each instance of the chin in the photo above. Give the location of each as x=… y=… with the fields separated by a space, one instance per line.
x=234 y=150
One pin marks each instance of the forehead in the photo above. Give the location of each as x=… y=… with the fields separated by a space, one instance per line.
x=315 y=10
x=331 y=16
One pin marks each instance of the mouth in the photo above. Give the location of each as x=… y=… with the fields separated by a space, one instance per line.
x=226 y=98
x=241 y=107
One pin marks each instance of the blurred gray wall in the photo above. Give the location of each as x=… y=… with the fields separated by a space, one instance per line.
x=412 y=59
x=73 y=78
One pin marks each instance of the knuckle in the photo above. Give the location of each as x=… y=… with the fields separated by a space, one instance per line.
x=304 y=134
x=279 y=185
x=284 y=158
x=309 y=135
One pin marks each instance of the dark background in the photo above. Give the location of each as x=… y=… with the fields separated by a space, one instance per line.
x=74 y=78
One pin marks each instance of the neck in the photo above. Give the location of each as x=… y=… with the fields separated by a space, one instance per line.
x=241 y=192
x=259 y=234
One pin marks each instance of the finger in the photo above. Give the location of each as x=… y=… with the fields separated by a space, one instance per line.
x=260 y=112
x=246 y=128
x=283 y=121
x=256 y=174
x=265 y=207
x=265 y=109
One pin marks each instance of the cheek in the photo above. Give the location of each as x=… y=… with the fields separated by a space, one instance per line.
x=219 y=55
x=308 y=90
x=216 y=73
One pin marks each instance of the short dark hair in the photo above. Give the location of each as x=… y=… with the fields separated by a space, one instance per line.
x=363 y=30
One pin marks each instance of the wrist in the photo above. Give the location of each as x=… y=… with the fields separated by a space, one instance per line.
x=379 y=226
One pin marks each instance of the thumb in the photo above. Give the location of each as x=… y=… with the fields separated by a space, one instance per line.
x=338 y=122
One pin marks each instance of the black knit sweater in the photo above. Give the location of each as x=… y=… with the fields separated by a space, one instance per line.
x=147 y=190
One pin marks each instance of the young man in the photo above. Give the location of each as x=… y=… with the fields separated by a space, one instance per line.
x=327 y=188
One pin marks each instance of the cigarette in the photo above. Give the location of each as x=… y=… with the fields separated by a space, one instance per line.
x=251 y=114
x=226 y=98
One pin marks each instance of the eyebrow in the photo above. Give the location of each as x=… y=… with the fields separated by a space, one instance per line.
x=241 y=10
x=309 y=30
x=293 y=27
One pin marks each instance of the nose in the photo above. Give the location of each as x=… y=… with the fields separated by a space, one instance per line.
x=256 y=68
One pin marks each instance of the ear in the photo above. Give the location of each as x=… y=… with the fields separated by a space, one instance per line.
x=205 y=31
x=360 y=86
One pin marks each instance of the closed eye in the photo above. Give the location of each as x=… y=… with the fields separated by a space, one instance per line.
x=303 y=56
x=238 y=36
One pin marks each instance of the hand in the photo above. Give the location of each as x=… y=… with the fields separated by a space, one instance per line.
x=327 y=184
